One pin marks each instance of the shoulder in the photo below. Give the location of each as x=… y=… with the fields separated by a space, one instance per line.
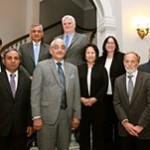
x=81 y=35
x=120 y=78
x=119 y=55
x=44 y=62
x=143 y=74
x=67 y=64
x=45 y=45
x=26 y=45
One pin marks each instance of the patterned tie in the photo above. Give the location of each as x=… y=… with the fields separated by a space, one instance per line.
x=130 y=87
x=36 y=53
x=63 y=86
x=67 y=41
x=13 y=84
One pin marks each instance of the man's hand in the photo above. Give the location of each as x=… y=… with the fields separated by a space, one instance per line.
x=29 y=131
x=75 y=123
x=130 y=128
x=37 y=124
x=138 y=129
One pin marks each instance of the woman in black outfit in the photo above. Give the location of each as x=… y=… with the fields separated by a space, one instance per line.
x=93 y=84
x=112 y=60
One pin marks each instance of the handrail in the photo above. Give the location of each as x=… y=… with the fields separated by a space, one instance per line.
x=24 y=37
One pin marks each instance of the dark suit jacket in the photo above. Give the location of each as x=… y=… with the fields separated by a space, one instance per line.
x=75 y=50
x=117 y=66
x=14 y=112
x=27 y=53
x=145 y=67
x=138 y=112
x=1 y=64
x=99 y=83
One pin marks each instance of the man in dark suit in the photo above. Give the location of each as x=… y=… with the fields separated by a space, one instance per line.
x=75 y=42
x=132 y=105
x=15 y=110
x=34 y=51
x=146 y=66
x=1 y=63
x=55 y=104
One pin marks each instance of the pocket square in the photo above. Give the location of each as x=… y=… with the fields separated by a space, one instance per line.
x=72 y=76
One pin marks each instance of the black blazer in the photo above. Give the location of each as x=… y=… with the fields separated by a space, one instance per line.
x=1 y=64
x=15 y=112
x=117 y=66
x=99 y=83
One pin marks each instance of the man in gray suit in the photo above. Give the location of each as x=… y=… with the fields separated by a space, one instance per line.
x=34 y=51
x=132 y=105
x=51 y=119
x=75 y=42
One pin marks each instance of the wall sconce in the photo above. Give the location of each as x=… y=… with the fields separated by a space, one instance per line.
x=142 y=32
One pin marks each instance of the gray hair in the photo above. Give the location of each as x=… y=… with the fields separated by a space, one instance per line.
x=70 y=18
x=36 y=25
x=134 y=53
x=53 y=43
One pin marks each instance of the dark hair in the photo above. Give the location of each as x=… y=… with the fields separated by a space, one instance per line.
x=9 y=50
x=95 y=49
x=0 y=41
x=104 y=45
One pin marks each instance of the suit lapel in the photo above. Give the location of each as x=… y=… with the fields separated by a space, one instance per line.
x=30 y=51
x=20 y=82
x=137 y=86
x=41 y=51
x=54 y=70
x=6 y=82
x=74 y=39
x=124 y=88
x=67 y=74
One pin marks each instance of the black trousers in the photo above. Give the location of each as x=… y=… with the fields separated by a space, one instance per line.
x=111 y=137
x=133 y=143
x=13 y=141
x=91 y=135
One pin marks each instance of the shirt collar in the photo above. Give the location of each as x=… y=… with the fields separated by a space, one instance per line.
x=62 y=62
x=9 y=73
x=70 y=34
x=134 y=74
x=36 y=43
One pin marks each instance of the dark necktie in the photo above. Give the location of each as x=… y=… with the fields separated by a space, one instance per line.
x=63 y=86
x=130 y=87
x=13 y=84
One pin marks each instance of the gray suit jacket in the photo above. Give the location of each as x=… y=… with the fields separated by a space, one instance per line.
x=75 y=50
x=27 y=53
x=138 y=112
x=46 y=91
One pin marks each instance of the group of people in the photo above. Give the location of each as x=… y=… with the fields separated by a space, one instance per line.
x=53 y=89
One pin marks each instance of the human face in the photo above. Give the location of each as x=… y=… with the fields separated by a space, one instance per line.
x=68 y=26
x=131 y=62
x=36 y=34
x=110 y=45
x=90 y=55
x=11 y=61
x=58 y=50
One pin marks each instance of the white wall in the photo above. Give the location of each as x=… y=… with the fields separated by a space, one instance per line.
x=130 y=39
x=16 y=18
x=12 y=18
